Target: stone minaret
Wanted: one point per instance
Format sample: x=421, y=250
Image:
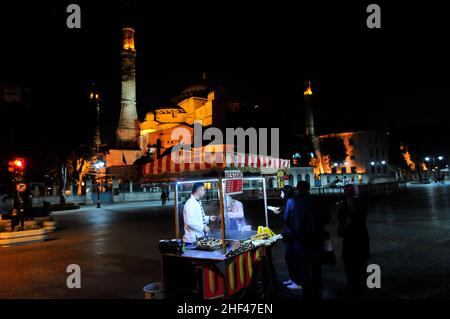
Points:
x=309, y=121
x=309, y=117
x=128, y=128
x=95, y=97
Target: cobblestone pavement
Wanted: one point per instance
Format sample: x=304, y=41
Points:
x=116, y=248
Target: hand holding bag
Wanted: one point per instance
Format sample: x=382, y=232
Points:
x=328, y=258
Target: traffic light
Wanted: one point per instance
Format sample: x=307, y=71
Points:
x=17, y=166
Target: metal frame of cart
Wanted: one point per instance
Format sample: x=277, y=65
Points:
x=210, y=274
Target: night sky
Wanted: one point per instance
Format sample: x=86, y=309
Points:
x=395, y=78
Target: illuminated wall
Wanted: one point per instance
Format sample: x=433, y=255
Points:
x=363, y=148
x=165, y=136
x=161, y=122
x=407, y=158
x=116, y=157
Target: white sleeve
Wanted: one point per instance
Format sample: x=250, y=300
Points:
x=192, y=217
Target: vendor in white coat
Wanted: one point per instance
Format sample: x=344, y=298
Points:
x=195, y=220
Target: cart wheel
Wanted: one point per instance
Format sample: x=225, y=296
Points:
x=264, y=281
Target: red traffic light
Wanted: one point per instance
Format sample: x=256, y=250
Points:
x=17, y=165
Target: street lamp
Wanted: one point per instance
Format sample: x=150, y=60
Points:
x=427, y=159
x=440, y=158
x=98, y=166
x=383, y=162
x=372, y=163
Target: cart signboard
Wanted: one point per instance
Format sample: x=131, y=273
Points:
x=233, y=182
x=280, y=175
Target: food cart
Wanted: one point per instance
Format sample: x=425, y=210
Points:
x=241, y=265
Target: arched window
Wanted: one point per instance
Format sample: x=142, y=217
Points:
x=291, y=180
x=299, y=177
x=308, y=178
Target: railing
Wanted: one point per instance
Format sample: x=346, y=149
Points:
x=327, y=191
x=382, y=188
x=364, y=190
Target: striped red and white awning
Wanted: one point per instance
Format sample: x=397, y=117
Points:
x=193, y=161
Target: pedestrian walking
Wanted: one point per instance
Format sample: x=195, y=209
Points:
x=352, y=229
x=163, y=197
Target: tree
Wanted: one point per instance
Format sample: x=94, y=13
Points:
x=334, y=148
x=81, y=163
x=51, y=167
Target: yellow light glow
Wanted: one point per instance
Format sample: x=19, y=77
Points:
x=308, y=90
x=128, y=39
x=407, y=158
x=18, y=163
x=145, y=132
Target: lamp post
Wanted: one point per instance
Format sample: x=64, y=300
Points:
x=435, y=163
x=98, y=166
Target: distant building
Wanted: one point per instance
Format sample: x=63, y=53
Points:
x=195, y=103
x=297, y=174
x=366, y=162
x=134, y=139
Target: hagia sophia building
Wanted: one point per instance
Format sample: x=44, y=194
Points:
x=200, y=102
x=212, y=105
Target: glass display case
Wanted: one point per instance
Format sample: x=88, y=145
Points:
x=240, y=206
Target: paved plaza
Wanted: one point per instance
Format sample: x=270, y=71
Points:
x=116, y=247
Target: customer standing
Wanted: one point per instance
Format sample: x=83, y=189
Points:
x=287, y=194
x=355, y=246
x=308, y=230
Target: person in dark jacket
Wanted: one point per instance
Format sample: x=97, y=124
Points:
x=308, y=230
x=287, y=194
x=355, y=245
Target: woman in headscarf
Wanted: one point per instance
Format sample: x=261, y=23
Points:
x=355, y=246
x=235, y=213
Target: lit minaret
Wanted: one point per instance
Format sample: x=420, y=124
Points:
x=309, y=117
x=309, y=121
x=128, y=128
x=95, y=97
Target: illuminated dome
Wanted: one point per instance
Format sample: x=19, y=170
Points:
x=197, y=90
